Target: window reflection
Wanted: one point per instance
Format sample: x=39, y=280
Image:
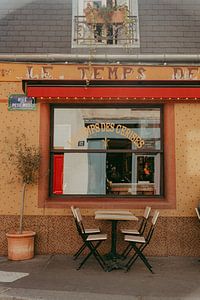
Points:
x=109, y=151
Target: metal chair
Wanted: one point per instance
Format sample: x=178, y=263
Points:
x=87, y=230
x=197, y=212
x=92, y=242
x=139, y=231
x=139, y=243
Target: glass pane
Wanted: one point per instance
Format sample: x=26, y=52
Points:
x=84, y=173
x=106, y=174
x=130, y=174
x=119, y=128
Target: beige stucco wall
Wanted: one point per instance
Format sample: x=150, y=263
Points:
x=187, y=133
x=14, y=123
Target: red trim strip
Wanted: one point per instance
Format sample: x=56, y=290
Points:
x=112, y=92
x=58, y=174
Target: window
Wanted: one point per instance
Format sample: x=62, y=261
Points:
x=107, y=152
x=105, y=22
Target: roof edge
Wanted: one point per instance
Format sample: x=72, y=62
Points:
x=163, y=59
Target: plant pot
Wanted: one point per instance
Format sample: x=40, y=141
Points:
x=20, y=245
x=118, y=16
x=94, y=18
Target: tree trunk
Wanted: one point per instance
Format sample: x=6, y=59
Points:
x=22, y=209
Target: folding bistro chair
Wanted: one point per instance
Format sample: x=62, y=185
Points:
x=92, y=242
x=139, y=231
x=87, y=230
x=139, y=243
x=197, y=212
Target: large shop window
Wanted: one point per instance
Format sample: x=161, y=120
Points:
x=107, y=152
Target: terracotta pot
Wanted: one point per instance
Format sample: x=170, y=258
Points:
x=118, y=16
x=20, y=245
x=94, y=18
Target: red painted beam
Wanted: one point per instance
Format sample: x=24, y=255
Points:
x=112, y=92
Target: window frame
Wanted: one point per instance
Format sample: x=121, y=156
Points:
x=136, y=151
x=134, y=10
x=168, y=201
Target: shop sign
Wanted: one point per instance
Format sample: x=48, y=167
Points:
x=17, y=72
x=21, y=102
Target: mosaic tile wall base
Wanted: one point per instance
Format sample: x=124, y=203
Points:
x=174, y=236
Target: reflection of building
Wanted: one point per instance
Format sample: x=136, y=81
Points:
x=113, y=138
x=95, y=107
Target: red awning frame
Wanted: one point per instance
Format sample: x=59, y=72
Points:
x=131, y=90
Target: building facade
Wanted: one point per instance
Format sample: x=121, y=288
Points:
x=113, y=105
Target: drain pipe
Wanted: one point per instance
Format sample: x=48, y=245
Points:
x=163, y=59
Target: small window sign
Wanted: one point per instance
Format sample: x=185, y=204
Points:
x=21, y=102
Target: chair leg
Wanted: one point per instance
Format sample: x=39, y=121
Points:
x=126, y=252
x=138, y=253
x=76, y=255
x=93, y=250
x=97, y=254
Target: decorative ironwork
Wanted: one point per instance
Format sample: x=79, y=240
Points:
x=97, y=34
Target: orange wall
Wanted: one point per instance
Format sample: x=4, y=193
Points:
x=14, y=123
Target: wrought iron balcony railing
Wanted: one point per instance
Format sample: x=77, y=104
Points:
x=100, y=34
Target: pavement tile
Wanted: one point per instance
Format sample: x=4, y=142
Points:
x=54, y=277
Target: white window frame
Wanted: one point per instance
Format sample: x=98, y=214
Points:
x=77, y=10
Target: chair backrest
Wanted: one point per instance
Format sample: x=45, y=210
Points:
x=198, y=214
x=79, y=214
x=152, y=227
x=73, y=211
x=79, y=222
x=145, y=217
x=77, y=219
x=155, y=217
x=147, y=212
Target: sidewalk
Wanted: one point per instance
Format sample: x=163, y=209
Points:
x=55, y=277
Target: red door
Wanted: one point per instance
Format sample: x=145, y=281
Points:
x=58, y=173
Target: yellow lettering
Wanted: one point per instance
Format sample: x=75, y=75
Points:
x=112, y=127
x=97, y=127
x=128, y=132
x=118, y=128
x=123, y=130
x=89, y=130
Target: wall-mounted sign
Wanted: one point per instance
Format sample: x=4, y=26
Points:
x=16, y=72
x=21, y=102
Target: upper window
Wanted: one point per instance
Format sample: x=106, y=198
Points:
x=107, y=152
x=105, y=22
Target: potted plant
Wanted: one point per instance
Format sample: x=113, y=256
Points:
x=106, y=14
x=26, y=160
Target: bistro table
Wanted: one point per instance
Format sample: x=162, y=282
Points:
x=114, y=216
